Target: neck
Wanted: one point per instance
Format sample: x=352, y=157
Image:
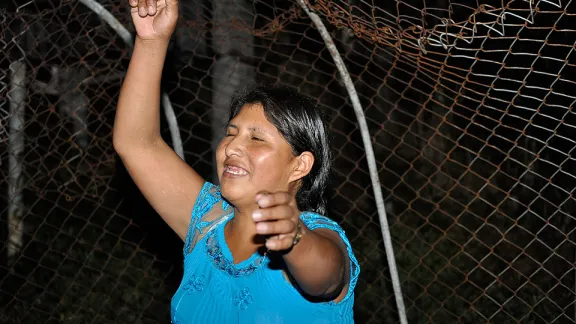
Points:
x=242, y=228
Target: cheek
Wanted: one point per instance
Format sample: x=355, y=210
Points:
x=271, y=166
x=220, y=153
x=221, y=149
x=262, y=159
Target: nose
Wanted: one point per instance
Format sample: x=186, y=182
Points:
x=234, y=147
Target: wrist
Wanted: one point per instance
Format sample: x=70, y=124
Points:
x=298, y=234
x=303, y=243
x=159, y=43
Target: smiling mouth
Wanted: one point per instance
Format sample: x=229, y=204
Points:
x=234, y=171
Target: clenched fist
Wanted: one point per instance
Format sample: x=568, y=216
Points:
x=277, y=218
x=154, y=19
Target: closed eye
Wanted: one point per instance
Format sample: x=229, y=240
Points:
x=257, y=138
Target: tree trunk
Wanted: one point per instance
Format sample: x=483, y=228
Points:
x=191, y=37
x=74, y=103
x=230, y=71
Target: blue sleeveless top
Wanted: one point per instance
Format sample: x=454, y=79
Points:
x=215, y=290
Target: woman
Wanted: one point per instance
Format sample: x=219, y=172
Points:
x=256, y=249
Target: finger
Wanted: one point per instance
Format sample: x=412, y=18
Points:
x=265, y=200
x=151, y=6
x=273, y=213
x=133, y=3
x=142, y=11
x=284, y=226
x=279, y=243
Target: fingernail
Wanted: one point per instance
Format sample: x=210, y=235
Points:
x=270, y=244
x=150, y=9
x=263, y=202
x=261, y=227
x=257, y=215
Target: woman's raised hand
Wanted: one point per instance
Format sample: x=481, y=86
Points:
x=154, y=19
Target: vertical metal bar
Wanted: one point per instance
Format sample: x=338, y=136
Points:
x=17, y=96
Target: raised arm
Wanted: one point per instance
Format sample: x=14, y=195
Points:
x=167, y=182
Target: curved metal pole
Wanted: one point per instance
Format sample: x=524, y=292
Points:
x=127, y=37
x=343, y=71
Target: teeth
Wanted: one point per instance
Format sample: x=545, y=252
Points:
x=236, y=170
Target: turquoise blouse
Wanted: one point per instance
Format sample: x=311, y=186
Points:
x=255, y=291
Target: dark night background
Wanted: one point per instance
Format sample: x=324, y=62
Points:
x=474, y=144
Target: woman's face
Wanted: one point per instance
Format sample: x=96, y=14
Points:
x=253, y=157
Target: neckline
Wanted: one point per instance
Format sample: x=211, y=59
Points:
x=221, y=256
x=226, y=249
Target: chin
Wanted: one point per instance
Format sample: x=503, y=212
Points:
x=233, y=192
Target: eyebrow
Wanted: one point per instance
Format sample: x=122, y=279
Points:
x=254, y=129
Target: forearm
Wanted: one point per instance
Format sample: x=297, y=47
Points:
x=137, y=120
x=317, y=264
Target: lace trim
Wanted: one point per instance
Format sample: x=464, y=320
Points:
x=314, y=221
x=214, y=249
x=209, y=196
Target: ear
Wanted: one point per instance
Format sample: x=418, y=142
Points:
x=303, y=166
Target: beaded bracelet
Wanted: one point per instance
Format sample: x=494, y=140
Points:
x=298, y=235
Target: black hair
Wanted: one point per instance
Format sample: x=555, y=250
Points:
x=301, y=123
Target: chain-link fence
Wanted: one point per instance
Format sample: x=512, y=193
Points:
x=470, y=109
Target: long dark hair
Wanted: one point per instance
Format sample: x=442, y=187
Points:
x=301, y=123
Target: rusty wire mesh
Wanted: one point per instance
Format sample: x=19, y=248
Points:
x=470, y=110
